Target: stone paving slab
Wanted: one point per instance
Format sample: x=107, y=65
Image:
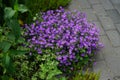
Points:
x=84, y=4
x=98, y=24
x=115, y=1
x=104, y=69
x=117, y=7
x=114, y=37
x=99, y=56
x=114, y=65
x=108, y=50
x=99, y=10
x=116, y=78
x=114, y=15
x=108, y=53
x=94, y=2
x=107, y=23
x=118, y=27
x=113, y=62
x=90, y=14
x=117, y=50
x=74, y=5
x=107, y=4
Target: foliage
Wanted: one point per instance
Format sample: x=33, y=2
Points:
x=10, y=40
x=15, y=5
x=87, y=76
x=68, y=34
x=37, y=67
x=57, y=41
x=34, y=7
x=8, y=50
x=43, y=5
x=1, y=13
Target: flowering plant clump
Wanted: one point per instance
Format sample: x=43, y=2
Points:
x=68, y=34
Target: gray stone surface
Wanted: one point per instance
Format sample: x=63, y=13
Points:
x=116, y=78
x=90, y=14
x=114, y=65
x=108, y=50
x=107, y=23
x=99, y=56
x=98, y=24
x=115, y=1
x=99, y=10
x=84, y=4
x=111, y=58
x=117, y=51
x=114, y=62
x=114, y=15
x=118, y=27
x=114, y=37
x=117, y=7
x=74, y=5
x=94, y=2
x=107, y=4
x=104, y=69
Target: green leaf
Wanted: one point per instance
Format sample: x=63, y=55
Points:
x=5, y=77
x=17, y=52
x=6, y=60
x=44, y=68
x=15, y=28
x=53, y=73
x=42, y=75
x=22, y=8
x=81, y=58
x=1, y=3
x=83, y=50
x=4, y=46
x=86, y=56
x=11, y=78
x=21, y=40
x=9, y=12
x=63, y=78
x=16, y=5
x=11, y=37
x=34, y=78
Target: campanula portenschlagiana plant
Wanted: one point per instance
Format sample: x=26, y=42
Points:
x=68, y=34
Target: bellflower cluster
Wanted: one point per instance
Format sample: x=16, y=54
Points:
x=68, y=34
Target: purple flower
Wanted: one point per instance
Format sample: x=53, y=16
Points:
x=59, y=58
x=39, y=51
x=65, y=57
x=30, y=53
x=82, y=54
x=94, y=63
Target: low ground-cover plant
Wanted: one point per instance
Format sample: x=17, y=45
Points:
x=67, y=34
x=44, y=5
x=37, y=67
x=86, y=76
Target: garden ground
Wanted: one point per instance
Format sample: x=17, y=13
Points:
x=106, y=15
